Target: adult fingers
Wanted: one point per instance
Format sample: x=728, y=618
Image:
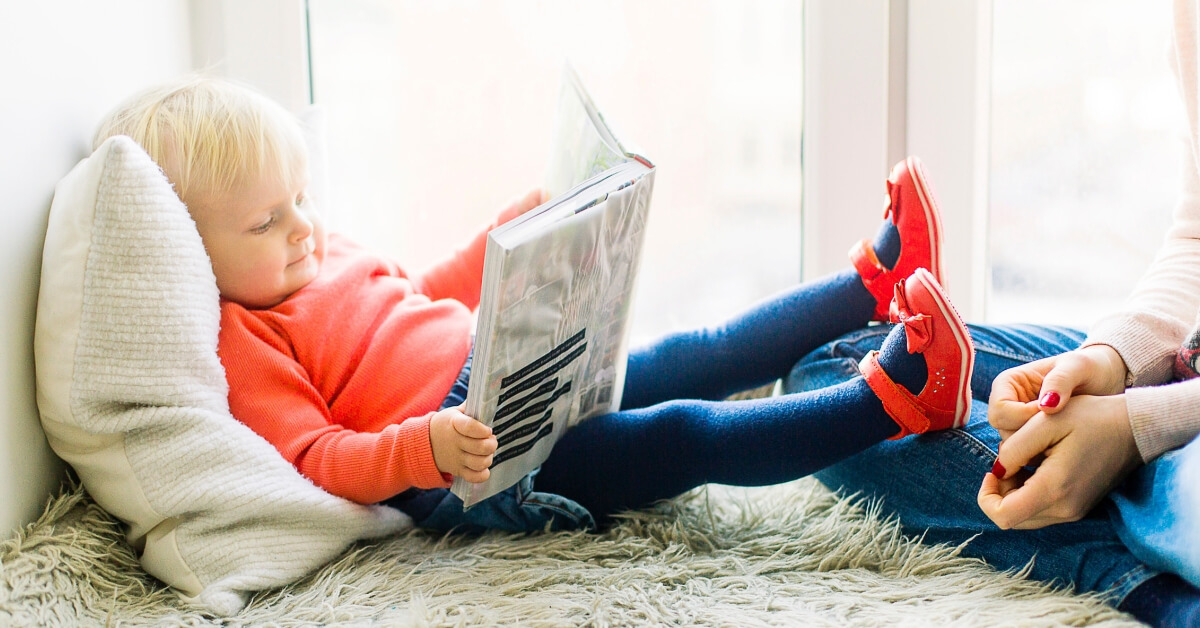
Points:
x=1020, y=507
x=1027, y=444
x=1013, y=399
x=1071, y=371
x=993, y=489
x=1094, y=370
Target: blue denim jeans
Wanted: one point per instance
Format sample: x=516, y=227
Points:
x=930, y=482
x=1157, y=512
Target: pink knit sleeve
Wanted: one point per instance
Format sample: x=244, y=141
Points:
x=1163, y=417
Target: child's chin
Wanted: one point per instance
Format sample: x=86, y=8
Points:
x=305, y=273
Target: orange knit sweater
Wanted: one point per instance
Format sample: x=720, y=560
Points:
x=343, y=376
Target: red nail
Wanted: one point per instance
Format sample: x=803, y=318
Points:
x=1049, y=400
x=998, y=470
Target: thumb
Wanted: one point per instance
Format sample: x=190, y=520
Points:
x=466, y=426
x=1069, y=371
x=1032, y=440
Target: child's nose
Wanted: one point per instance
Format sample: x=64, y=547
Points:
x=302, y=227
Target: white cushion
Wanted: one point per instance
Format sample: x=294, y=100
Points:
x=133, y=396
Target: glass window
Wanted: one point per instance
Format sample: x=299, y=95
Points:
x=440, y=112
x=1083, y=154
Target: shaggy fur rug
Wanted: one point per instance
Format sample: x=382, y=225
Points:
x=790, y=555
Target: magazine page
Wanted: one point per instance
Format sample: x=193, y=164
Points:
x=583, y=146
x=555, y=347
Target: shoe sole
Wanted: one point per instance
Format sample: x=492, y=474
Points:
x=962, y=338
x=933, y=217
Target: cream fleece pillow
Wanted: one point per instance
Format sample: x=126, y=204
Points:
x=132, y=395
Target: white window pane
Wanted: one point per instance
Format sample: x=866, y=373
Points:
x=439, y=112
x=1083, y=154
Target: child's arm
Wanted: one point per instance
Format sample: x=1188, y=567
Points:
x=459, y=277
x=273, y=395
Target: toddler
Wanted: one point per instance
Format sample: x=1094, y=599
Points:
x=355, y=369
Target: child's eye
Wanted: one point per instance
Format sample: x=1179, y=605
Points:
x=301, y=198
x=264, y=227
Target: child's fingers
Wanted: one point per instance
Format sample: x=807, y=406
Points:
x=533, y=198
x=478, y=446
x=475, y=476
x=477, y=463
x=466, y=426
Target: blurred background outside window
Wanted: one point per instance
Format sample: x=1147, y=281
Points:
x=441, y=112
x=1084, y=154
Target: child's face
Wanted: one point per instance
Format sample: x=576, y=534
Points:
x=264, y=240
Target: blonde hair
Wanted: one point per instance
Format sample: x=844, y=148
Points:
x=211, y=135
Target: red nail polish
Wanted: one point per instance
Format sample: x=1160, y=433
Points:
x=998, y=469
x=1049, y=400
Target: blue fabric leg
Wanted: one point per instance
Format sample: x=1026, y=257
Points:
x=672, y=435
x=750, y=350
x=930, y=482
x=1157, y=512
x=632, y=458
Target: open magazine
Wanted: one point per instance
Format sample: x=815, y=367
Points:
x=558, y=281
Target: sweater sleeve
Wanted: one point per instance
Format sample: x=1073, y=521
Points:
x=273, y=395
x=1163, y=417
x=460, y=276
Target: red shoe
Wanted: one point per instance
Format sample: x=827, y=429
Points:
x=914, y=210
x=934, y=328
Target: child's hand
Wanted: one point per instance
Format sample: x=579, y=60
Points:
x=519, y=206
x=461, y=445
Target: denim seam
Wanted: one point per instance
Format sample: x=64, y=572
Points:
x=974, y=445
x=1132, y=579
x=1023, y=357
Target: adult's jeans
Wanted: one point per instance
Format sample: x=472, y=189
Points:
x=1157, y=512
x=930, y=482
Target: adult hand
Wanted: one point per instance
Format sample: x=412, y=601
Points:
x=1046, y=385
x=461, y=445
x=1088, y=448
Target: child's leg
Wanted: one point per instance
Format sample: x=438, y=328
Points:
x=755, y=348
x=762, y=344
x=633, y=458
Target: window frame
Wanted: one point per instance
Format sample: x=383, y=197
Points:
x=884, y=80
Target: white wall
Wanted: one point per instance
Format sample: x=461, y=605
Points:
x=63, y=64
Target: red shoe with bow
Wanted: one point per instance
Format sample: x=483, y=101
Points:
x=914, y=210
x=933, y=328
